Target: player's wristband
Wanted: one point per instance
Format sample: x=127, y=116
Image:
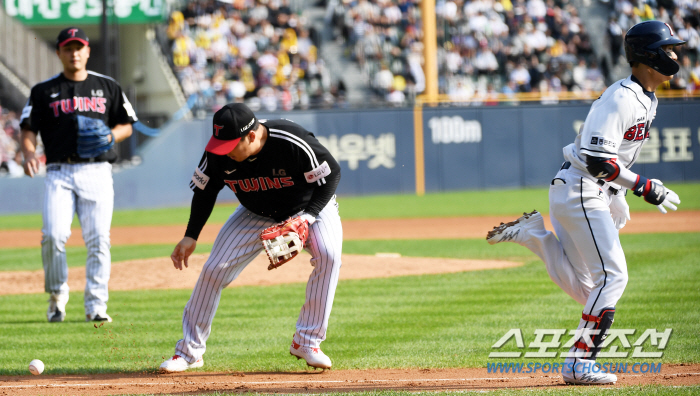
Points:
x=642, y=186
x=653, y=192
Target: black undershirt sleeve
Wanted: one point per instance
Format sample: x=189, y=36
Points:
x=323, y=193
x=202, y=206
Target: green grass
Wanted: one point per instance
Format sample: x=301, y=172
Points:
x=29, y=259
x=448, y=320
x=469, y=203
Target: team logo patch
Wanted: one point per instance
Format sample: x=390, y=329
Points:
x=322, y=171
x=601, y=141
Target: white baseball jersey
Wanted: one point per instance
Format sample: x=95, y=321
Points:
x=616, y=126
x=585, y=258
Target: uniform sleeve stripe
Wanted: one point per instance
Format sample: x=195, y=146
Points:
x=101, y=75
x=26, y=111
x=204, y=164
x=300, y=142
x=603, y=154
x=304, y=146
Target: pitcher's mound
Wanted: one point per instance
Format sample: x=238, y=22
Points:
x=159, y=273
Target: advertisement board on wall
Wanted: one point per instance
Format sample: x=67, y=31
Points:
x=496, y=147
x=62, y=12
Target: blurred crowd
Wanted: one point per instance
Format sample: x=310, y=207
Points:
x=255, y=51
x=682, y=15
x=264, y=53
x=484, y=46
x=10, y=153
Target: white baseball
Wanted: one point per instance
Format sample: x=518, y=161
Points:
x=36, y=367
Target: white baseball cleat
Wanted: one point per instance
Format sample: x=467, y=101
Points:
x=177, y=364
x=592, y=379
x=314, y=356
x=57, y=307
x=98, y=317
x=585, y=374
x=514, y=230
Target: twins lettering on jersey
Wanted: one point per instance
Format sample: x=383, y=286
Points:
x=67, y=106
x=637, y=132
x=259, y=184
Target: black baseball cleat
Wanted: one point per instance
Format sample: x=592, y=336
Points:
x=57, y=316
x=98, y=318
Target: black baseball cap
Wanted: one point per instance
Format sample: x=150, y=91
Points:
x=231, y=123
x=71, y=34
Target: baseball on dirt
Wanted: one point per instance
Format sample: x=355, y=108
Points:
x=36, y=367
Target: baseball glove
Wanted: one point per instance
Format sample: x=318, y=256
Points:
x=93, y=137
x=284, y=241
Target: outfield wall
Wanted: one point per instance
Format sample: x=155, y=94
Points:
x=461, y=149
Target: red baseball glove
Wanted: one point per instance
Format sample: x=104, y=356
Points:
x=283, y=241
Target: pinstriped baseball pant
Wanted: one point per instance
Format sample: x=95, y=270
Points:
x=86, y=189
x=235, y=247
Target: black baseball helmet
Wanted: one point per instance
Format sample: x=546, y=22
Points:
x=643, y=44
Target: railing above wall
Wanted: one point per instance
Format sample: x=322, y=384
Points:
x=27, y=56
x=544, y=98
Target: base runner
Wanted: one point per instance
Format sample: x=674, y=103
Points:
x=587, y=197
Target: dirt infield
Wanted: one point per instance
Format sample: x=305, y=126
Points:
x=431, y=228
x=319, y=381
x=159, y=273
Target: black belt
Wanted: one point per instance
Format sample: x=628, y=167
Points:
x=567, y=165
x=75, y=159
x=614, y=191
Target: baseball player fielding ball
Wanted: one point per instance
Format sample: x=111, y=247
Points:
x=587, y=197
x=36, y=367
x=285, y=181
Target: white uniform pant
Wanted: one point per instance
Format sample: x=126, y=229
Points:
x=86, y=189
x=236, y=246
x=587, y=261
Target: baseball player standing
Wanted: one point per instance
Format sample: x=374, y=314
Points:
x=80, y=115
x=278, y=170
x=587, y=197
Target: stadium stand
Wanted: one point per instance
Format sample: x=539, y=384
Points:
x=505, y=46
x=259, y=52
x=10, y=153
